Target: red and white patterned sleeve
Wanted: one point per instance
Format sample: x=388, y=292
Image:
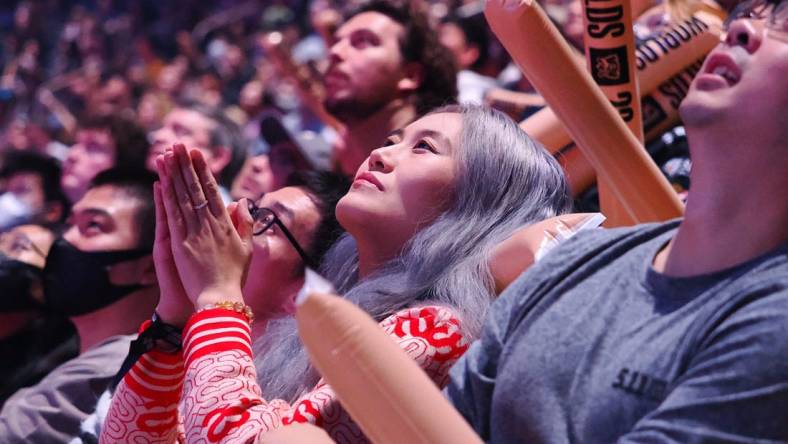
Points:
x=144, y=406
x=222, y=400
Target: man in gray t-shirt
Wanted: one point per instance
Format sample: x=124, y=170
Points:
x=593, y=345
x=673, y=332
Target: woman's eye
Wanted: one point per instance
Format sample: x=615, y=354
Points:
x=424, y=145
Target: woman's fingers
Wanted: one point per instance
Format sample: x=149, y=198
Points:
x=244, y=222
x=175, y=221
x=190, y=178
x=182, y=198
x=162, y=233
x=210, y=188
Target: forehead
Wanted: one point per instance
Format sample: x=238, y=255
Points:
x=107, y=200
x=294, y=199
x=446, y=126
x=25, y=178
x=375, y=22
x=188, y=118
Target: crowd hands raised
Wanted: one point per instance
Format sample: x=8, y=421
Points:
x=198, y=178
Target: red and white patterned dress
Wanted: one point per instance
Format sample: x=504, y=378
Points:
x=208, y=393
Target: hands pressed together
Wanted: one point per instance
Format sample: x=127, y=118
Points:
x=201, y=250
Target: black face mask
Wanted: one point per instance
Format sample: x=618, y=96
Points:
x=16, y=285
x=77, y=282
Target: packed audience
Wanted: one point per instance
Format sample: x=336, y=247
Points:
x=171, y=173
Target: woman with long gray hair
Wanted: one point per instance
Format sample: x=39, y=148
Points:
x=422, y=217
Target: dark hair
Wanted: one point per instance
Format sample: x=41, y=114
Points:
x=131, y=141
x=420, y=44
x=136, y=183
x=44, y=167
x=325, y=189
x=476, y=33
x=225, y=133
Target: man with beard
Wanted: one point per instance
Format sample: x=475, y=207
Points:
x=99, y=274
x=387, y=67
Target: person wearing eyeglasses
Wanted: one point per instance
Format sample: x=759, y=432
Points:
x=100, y=276
x=423, y=214
x=292, y=229
x=32, y=341
x=663, y=333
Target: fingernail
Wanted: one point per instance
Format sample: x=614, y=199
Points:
x=313, y=283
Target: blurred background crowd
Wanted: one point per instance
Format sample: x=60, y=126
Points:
x=93, y=85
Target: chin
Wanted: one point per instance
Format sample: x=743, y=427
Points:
x=354, y=211
x=700, y=108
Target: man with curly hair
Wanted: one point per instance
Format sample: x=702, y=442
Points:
x=386, y=68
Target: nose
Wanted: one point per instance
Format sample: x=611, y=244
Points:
x=336, y=51
x=381, y=159
x=743, y=32
x=73, y=154
x=72, y=235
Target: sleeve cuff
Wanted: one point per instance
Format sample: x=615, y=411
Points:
x=214, y=331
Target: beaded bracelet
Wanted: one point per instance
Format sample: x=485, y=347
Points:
x=238, y=307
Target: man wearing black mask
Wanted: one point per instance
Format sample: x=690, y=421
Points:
x=100, y=274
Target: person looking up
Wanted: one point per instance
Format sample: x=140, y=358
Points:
x=423, y=215
x=386, y=67
x=102, y=143
x=100, y=275
x=667, y=332
x=207, y=129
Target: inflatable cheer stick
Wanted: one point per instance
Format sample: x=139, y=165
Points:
x=528, y=244
x=660, y=113
x=610, y=48
x=546, y=60
x=656, y=59
x=383, y=389
x=579, y=173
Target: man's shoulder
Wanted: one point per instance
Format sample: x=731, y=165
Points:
x=52, y=410
x=111, y=348
x=598, y=247
x=100, y=361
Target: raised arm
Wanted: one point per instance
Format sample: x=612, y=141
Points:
x=222, y=400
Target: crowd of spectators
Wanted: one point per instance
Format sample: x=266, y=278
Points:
x=191, y=161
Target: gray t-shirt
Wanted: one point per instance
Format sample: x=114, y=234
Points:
x=52, y=410
x=591, y=345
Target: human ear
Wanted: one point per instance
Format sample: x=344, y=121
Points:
x=220, y=158
x=470, y=56
x=413, y=75
x=53, y=212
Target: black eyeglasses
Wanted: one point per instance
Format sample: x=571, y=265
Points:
x=15, y=244
x=264, y=218
x=775, y=13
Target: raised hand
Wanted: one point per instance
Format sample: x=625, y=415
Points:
x=174, y=305
x=209, y=252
